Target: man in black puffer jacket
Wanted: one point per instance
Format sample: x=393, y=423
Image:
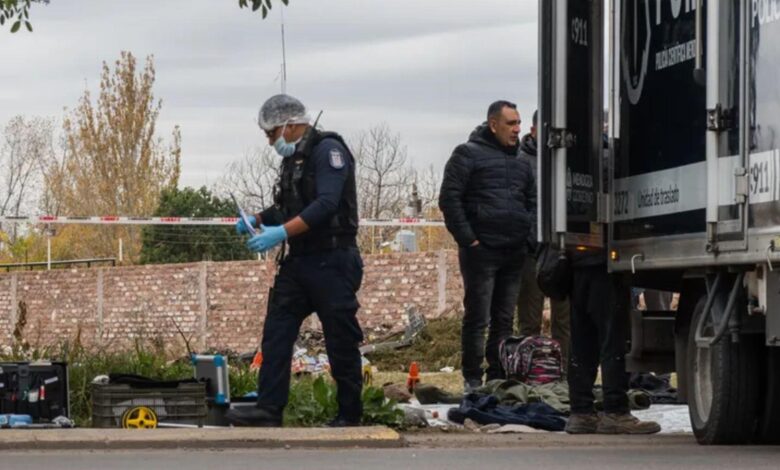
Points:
x=488, y=198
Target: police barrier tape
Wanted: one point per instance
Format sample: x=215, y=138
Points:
x=217, y=221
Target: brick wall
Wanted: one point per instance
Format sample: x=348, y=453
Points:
x=213, y=305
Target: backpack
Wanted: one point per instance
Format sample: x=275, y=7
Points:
x=535, y=360
x=553, y=272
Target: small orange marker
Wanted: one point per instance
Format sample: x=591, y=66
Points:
x=257, y=361
x=414, y=376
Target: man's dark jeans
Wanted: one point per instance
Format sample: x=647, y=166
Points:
x=599, y=318
x=491, y=281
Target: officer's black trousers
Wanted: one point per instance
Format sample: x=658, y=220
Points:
x=325, y=283
x=491, y=281
x=599, y=318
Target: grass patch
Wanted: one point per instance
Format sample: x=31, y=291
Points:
x=437, y=346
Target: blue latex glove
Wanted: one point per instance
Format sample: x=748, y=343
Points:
x=241, y=227
x=267, y=239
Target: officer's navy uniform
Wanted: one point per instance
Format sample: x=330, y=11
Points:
x=321, y=273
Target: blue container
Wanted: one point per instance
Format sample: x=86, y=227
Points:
x=13, y=421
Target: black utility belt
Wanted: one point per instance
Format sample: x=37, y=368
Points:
x=310, y=247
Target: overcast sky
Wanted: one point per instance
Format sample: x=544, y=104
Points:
x=427, y=68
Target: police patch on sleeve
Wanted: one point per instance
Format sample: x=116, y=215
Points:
x=336, y=159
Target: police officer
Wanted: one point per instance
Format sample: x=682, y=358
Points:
x=315, y=211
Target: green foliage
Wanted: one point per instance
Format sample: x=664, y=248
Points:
x=242, y=379
x=182, y=244
x=263, y=5
x=313, y=403
x=312, y=400
x=17, y=13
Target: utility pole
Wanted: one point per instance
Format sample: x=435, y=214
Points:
x=284, y=58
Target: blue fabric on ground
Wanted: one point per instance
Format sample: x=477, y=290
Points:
x=485, y=409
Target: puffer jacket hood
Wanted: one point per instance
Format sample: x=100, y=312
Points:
x=482, y=135
x=527, y=151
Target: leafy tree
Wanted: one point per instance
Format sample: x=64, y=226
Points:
x=114, y=162
x=263, y=5
x=181, y=244
x=17, y=13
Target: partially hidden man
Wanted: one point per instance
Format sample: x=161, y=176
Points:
x=315, y=212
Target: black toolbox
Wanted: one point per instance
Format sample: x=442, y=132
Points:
x=38, y=389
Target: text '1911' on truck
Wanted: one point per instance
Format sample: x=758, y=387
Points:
x=683, y=190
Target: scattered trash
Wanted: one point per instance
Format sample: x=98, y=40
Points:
x=415, y=325
x=672, y=418
x=447, y=370
x=514, y=428
x=303, y=363
x=63, y=422
x=101, y=380
x=14, y=421
x=471, y=425
x=489, y=427
x=397, y=392
x=430, y=394
x=414, y=417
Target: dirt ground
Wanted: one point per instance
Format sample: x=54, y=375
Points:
x=449, y=382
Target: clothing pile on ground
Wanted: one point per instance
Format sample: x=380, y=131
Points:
x=658, y=387
x=538, y=406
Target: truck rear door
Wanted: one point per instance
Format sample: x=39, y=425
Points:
x=571, y=122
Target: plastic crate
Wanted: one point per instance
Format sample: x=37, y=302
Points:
x=183, y=404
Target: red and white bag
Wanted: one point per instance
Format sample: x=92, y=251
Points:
x=534, y=360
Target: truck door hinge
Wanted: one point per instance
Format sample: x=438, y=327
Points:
x=603, y=207
x=720, y=119
x=560, y=138
x=740, y=185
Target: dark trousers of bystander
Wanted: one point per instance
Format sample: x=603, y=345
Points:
x=530, y=306
x=599, y=321
x=491, y=281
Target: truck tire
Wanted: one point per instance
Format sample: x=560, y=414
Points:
x=769, y=421
x=723, y=386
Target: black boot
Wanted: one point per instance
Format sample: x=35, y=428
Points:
x=255, y=417
x=341, y=422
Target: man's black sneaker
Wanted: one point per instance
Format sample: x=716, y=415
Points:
x=254, y=417
x=339, y=422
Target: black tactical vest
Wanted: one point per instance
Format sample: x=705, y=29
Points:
x=298, y=188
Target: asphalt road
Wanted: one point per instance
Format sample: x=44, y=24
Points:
x=577, y=457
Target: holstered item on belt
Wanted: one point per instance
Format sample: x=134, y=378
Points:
x=322, y=244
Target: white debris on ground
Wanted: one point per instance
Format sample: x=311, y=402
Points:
x=672, y=418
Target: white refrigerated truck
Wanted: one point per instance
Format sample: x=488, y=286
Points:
x=685, y=196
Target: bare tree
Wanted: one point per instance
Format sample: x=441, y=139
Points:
x=383, y=177
x=252, y=178
x=25, y=152
x=428, y=182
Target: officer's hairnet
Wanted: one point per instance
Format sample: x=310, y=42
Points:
x=279, y=110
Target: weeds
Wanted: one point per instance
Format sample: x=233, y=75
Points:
x=312, y=400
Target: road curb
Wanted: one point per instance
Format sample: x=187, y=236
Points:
x=265, y=438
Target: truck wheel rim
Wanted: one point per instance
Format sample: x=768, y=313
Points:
x=703, y=382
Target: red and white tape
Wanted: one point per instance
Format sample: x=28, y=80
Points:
x=122, y=220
